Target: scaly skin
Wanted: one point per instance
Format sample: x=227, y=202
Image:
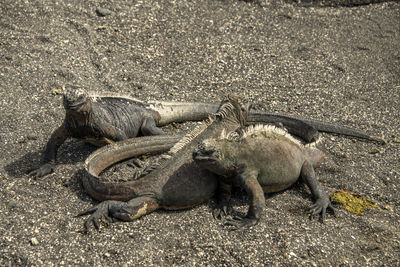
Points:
x=177, y=184
x=289, y=121
x=264, y=159
x=106, y=118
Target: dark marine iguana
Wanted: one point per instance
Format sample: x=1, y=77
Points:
x=263, y=159
x=106, y=118
x=177, y=184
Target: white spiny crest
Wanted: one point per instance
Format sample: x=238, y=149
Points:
x=264, y=130
x=226, y=108
x=231, y=136
x=97, y=95
x=228, y=105
x=191, y=135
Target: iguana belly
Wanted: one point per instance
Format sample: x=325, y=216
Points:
x=277, y=177
x=187, y=187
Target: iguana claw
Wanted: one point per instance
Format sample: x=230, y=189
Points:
x=319, y=207
x=42, y=170
x=240, y=222
x=134, y=162
x=99, y=212
x=221, y=211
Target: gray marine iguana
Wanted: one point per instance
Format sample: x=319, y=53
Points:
x=109, y=118
x=177, y=184
x=262, y=159
x=106, y=118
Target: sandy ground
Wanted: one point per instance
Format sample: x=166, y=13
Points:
x=339, y=64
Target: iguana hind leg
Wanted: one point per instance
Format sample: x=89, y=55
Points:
x=322, y=202
x=149, y=127
x=112, y=210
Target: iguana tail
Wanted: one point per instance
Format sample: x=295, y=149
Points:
x=294, y=126
x=187, y=111
x=322, y=126
x=182, y=111
x=111, y=154
x=303, y=127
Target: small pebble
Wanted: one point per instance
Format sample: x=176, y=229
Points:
x=102, y=12
x=34, y=241
x=373, y=151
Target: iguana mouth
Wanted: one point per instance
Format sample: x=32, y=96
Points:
x=76, y=105
x=197, y=156
x=202, y=158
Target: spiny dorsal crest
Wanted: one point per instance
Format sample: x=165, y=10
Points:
x=231, y=106
x=264, y=130
x=191, y=135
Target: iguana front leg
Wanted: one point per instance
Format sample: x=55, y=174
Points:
x=56, y=140
x=322, y=202
x=248, y=181
x=112, y=210
x=223, y=196
x=149, y=127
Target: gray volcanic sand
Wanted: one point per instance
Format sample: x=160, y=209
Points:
x=335, y=63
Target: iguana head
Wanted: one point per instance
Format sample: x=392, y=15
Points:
x=75, y=98
x=213, y=155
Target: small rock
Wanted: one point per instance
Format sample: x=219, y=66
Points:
x=22, y=140
x=57, y=91
x=26, y=139
x=374, y=151
x=102, y=12
x=34, y=241
x=387, y=207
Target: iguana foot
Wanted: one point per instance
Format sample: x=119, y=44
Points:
x=134, y=162
x=221, y=211
x=151, y=167
x=99, y=212
x=240, y=222
x=42, y=170
x=148, y=169
x=319, y=207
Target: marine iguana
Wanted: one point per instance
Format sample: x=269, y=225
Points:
x=109, y=118
x=177, y=184
x=106, y=118
x=262, y=159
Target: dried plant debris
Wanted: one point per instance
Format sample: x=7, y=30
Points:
x=354, y=203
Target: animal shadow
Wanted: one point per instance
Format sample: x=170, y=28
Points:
x=69, y=153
